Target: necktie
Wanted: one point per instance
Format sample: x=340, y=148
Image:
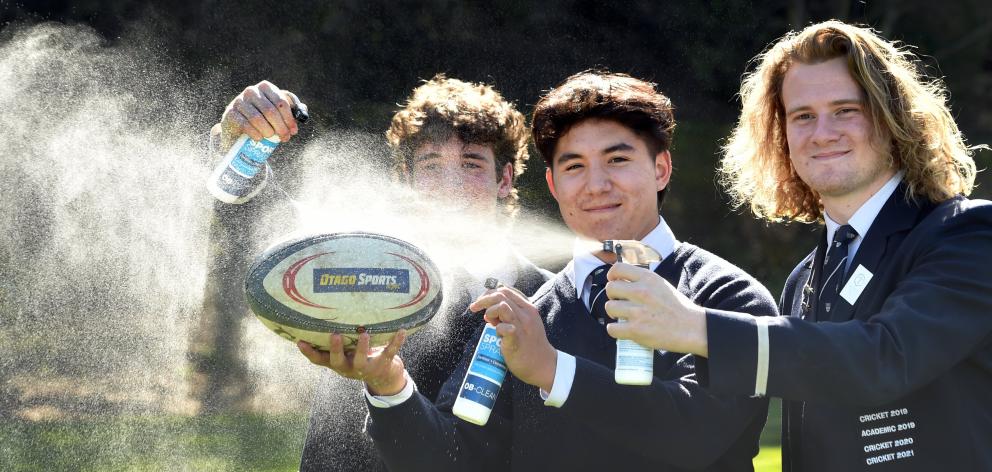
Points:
x=834, y=267
x=597, y=294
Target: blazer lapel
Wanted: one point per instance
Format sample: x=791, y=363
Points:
x=896, y=216
x=800, y=290
x=816, y=278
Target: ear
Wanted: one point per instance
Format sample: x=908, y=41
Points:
x=505, y=183
x=662, y=169
x=551, y=183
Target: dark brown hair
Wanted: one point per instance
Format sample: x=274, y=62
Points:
x=634, y=103
x=474, y=113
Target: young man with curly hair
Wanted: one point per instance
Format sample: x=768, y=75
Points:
x=605, y=138
x=884, y=361
x=460, y=145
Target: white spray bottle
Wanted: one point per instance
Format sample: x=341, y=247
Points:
x=237, y=179
x=635, y=363
x=484, y=378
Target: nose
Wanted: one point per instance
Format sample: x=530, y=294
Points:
x=825, y=131
x=599, y=180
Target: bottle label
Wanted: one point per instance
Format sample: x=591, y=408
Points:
x=488, y=360
x=479, y=390
x=251, y=157
x=486, y=372
x=634, y=357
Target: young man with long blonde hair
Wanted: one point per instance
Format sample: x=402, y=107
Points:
x=884, y=361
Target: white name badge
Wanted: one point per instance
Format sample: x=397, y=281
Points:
x=856, y=284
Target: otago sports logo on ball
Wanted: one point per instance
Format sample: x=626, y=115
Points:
x=361, y=280
x=343, y=280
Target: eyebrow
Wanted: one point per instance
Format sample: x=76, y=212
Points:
x=621, y=146
x=843, y=101
x=433, y=155
x=426, y=157
x=618, y=147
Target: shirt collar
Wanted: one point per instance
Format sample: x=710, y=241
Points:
x=862, y=219
x=583, y=262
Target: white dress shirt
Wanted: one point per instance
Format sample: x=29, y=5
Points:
x=862, y=219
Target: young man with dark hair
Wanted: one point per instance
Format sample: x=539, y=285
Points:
x=605, y=138
x=462, y=145
x=885, y=359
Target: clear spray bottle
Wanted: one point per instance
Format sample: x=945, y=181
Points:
x=237, y=178
x=635, y=363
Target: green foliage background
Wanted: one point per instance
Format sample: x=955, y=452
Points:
x=352, y=61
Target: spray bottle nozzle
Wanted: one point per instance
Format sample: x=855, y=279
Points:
x=300, y=112
x=632, y=252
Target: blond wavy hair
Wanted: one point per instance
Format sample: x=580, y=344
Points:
x=906, y=109
x=442, y=108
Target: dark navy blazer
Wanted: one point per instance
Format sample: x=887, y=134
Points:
x=671, y=425
x=901, y=379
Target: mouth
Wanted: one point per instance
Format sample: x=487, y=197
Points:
x=823, y=156
x=601, y=208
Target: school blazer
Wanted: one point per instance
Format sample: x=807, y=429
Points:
x=901, y=379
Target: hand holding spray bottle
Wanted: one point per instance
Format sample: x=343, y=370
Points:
x=236, y=178
x=635, y=363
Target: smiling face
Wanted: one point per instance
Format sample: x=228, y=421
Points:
x=463, y=175
x=830, y=136
x=606, y=181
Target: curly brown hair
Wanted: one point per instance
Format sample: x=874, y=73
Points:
x=906, y=109
x=634, y=103
x=441, y=108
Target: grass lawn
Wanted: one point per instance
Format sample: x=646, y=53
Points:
x=770, y=456
x=140, y=443
x=219, y=443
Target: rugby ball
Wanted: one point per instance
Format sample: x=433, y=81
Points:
x=346, y=283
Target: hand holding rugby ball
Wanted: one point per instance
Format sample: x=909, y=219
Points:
x=346, y=283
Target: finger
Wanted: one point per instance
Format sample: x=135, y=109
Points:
x=623, y=271
x=620, y=330
x=336, y=357
x=501, y=313
x=624, y=290
x=394, y=345
x=298, y=107
x=294, y=99
x=361, y=353
x=514, y=296
x=291, y=102
x=234, y=123
x=486, y=300
x=623, y=309
x=255, y=117
x=270, y=111
x=508, y=333
x=312, y=354
x=283, y=105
